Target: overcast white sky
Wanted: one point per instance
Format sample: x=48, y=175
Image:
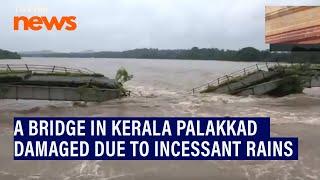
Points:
x=128, y=24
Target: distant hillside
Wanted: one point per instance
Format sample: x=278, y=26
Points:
x=9, y=55
x=244, y=54
x=37, y=52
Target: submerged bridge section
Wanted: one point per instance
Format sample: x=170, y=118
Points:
x=38, y=82
x=260, y=79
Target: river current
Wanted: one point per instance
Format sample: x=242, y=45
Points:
x=163, y=88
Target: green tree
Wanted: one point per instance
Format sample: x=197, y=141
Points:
x=248, y=54
x=9, y=55
x=123, y=76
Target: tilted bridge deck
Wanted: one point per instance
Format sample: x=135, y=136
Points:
x=226, y=79
x=253, y=80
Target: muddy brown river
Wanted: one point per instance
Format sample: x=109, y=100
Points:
x=162, y=88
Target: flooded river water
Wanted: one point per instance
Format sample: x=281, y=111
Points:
x=162, y=88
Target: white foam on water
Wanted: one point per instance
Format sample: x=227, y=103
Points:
x=149, y=91
x=280, y=170
x=84, y=169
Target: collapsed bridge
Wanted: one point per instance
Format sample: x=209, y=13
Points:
x=42, y=82
x=260, y=79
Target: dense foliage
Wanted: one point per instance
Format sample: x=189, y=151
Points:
x=9, y=55
x=123, y=76
x=245, y=54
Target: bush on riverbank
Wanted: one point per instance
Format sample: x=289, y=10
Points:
x=9, y=55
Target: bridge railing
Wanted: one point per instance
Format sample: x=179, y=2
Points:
x=227, y=78
x=42, y=69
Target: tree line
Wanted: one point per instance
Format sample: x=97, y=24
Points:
x=9, y=55
x=195, y=53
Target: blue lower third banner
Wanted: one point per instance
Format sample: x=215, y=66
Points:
x=149, y=138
